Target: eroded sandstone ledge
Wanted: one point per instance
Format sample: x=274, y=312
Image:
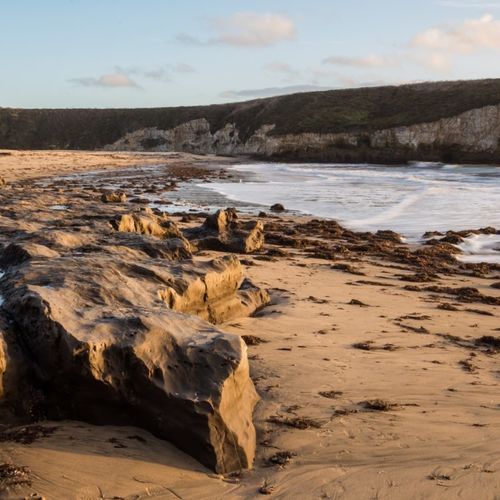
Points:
x=114, y=324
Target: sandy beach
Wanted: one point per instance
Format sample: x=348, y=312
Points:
x=375, y=362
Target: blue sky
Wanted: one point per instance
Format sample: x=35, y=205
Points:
x=131, y=53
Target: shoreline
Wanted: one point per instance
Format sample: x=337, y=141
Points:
x=374, y=375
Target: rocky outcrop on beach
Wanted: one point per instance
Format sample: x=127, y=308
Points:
x=224, y=231
x=107, y=315
x=96, y=324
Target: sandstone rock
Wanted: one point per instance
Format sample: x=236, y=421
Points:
x=114, y=197
x=147, y=223
x=17, y=253
x=172, y=249
x=223, y=231
x=107, y=351
x=215, y=291
x=221, y=221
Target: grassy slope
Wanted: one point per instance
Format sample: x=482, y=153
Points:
x=331, y=111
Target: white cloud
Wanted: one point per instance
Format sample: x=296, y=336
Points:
x=370, y=61
x=246, y=29
x=110, y=80
x=250, y=29
x=470, y=36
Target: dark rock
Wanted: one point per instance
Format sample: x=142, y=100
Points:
x=277, y=207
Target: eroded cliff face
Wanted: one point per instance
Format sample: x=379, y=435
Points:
x=470, y=136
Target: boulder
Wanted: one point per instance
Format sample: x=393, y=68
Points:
x=277, y=207
x=2, y=181
x=224, y=232
x=109, y=345
x=114, y=197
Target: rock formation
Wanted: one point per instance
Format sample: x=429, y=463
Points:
x=108, y=315
x=471, y=133
x=223, y=231
x=107, y=346
x=114, y=197
x=216, y=291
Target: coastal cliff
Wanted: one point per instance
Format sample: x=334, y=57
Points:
x=473, y=134
x=443, y=121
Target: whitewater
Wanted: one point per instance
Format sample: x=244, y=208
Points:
x=409, y=199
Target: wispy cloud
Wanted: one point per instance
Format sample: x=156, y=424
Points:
x=343, y=82
x=246, y=29
x=467, y=37
x=370, y=61
x=271, y=91
x=110, y=80
x=123, y=77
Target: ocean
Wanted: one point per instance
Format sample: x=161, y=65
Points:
x=409, y=199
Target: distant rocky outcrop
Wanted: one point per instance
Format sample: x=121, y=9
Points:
x=441, y=121
x=475, y=133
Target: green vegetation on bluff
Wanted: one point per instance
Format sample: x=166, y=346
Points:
x=351, y=110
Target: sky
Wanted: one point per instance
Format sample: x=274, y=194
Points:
x=150, y=53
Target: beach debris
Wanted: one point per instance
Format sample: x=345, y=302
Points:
x=301, y=423
x=26, y=434
x=330, y=394
x=14, y=475
x=356, y=302
x=379, y=405
x=266, y=488
x=252, y=340
x=281, y=458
